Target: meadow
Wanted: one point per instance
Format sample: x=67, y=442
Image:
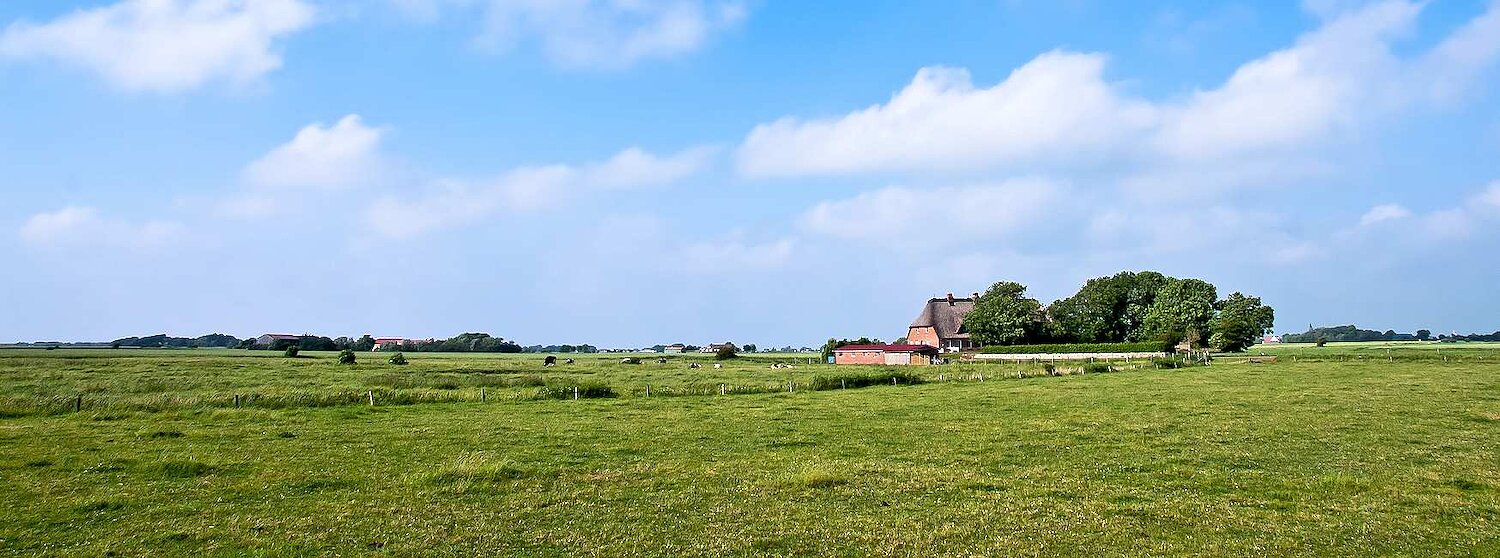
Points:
x=1359, y=449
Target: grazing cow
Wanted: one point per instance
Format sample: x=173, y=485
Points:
x=718, y=366
x=549, y=361
x=693, y=365
x=661, y=360
x=569, y=361
x=630, y=361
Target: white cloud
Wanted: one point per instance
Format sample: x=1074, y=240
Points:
x=1058, y=109
x=907, y=217
x=84, y=227
x=737, y=255
x=525, y=189
x=320, y=157
x=1383, y=213
x=164, y=45
x=594, y=33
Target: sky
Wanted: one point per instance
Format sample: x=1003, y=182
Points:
x=633, y=172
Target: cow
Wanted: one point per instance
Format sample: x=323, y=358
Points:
x=549, y=361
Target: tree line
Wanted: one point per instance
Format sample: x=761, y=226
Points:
x=1124, y=307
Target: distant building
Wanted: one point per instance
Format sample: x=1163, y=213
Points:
x=674, y=348
x=271, y=339
x=1270, y=339
x=898, y=355
x=941, y=324
x=383, y=343
x=716, y=347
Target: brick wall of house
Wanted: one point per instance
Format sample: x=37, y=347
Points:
x=859, y=357
x=922, y=336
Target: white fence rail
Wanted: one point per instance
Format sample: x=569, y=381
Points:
x=1065, y=356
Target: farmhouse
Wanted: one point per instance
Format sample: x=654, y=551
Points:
x=915, y=355
x=941, y=324
x=384, y=343
x=716, y=347
x=674, y=348
x=1270, y=339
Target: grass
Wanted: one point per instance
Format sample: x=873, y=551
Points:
x=1314, y=457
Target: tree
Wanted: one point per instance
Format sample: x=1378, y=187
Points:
x=1107, y=309
x=365, y=343
x=398, y=359
x=346, y=356
x=1423, y=335
x=1183, y=309
x=291, y=351
x=725, y=352
x=1005, y=316
x=1241, y=320
x=750, y=347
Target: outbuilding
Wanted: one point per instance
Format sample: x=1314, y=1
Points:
x=896, y=355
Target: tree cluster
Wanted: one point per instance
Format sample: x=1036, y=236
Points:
x=218, y=340
x=1125, y=307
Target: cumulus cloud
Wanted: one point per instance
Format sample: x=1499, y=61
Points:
x=452, y=202
x=912, y=217
x=1059, y=108
x=84, y=227
x=1383, y=213
x=1056, y=107
x=594, y=33
x=164, y=45
x=319, y=158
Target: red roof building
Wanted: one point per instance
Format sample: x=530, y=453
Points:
x=894, y=355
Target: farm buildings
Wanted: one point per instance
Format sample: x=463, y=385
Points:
x=916, y=355
x=941, y=324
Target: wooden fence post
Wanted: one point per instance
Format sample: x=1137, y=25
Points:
x=843, y=384
x=483, y=397
x=721, y=389
x=648, y=390
x=371, y=393
x=78, y=403
x=575, y=393
x=893, y=380
x=236, y=400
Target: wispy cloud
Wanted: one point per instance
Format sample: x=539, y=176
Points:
x=164, y=45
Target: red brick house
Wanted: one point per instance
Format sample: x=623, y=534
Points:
x=901, y=355
x=941, y=324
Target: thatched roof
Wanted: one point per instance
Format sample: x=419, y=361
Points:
x=946, y=315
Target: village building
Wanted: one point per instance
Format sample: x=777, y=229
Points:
x=716, y=347
x=386, y=343
x=1270, y=339
x=674, y=348
x=941, y=324
x=271, y=339
x=895, y=355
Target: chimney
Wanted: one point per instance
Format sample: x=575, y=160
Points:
x=976, y=297
x=950, y=299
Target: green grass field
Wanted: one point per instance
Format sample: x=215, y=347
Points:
x=1337, y=451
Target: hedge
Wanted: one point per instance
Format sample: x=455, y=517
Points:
x=1141, y=347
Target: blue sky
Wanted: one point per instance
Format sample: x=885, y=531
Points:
x=633, y=172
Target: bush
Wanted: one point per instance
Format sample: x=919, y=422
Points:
x=725, y=353
x=1141, y=347
x=1051, y=370
x=398, y=359
x=859, y=380
x=1166, y=363
x=291, y=352
x=1096, y=368
x=346, y=356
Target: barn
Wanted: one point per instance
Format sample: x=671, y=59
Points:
x=899, y=355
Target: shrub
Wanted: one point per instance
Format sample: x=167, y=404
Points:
x=1165, y=363
x=291, y=351
x=1051, y=370
x=725, y=353
x=1096, y=368
x=347, y=356
x=398, y=359
x=859, y=380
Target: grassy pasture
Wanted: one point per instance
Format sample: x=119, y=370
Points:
x=1325, y=455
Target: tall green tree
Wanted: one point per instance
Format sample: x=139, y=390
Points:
x=1241, y=320
x=1004, y=315
x=1183, y=309
x=1108, y=309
